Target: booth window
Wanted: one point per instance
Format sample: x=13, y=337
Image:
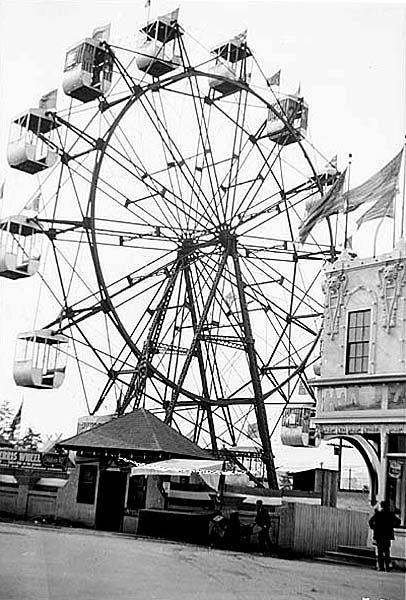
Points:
x=87, y=484
x=359, y=323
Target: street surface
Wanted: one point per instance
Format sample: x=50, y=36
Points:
x=38, y=563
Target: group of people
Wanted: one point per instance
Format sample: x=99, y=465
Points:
x=231, y=533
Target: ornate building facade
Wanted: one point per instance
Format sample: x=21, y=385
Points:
x=361, y=383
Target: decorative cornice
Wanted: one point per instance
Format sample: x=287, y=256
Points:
x=366, y=379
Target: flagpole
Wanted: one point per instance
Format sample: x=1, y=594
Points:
x=346, y=200
x=402, y=222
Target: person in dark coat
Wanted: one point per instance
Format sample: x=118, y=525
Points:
x=234, y=531
x=263, y=520
x=383, y=523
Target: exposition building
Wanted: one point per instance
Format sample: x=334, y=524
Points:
x=361, y=382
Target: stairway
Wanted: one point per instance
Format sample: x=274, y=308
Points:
x=361, y=556
x=358, y=556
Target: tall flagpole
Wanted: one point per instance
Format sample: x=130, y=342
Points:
x=346, y=201
x=402, y=222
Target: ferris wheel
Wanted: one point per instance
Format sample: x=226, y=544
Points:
x=163, y=225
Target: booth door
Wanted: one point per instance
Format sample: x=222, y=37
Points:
x=110, y=500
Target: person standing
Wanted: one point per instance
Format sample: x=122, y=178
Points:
x=263, y=520
x=382, y=524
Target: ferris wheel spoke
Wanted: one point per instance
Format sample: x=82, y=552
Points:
x=285, y=333
x=79, y=312
x=199, y=105
x=262, y=363
x=164, y=192
x=267, y=168
x=249, y=382
x=237, y=148
x=126, y=144
x=282, y=279
x=80, y=134
x=179, y=161
x=248, y=149
x=126, y=76
x=204, y=143
x=272, y=210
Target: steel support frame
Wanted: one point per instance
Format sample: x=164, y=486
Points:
x=259, y=405
x=205, y=388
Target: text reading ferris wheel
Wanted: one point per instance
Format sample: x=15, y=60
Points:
x=171, y=188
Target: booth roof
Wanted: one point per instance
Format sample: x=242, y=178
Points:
x=137, y=431
x=4, y=443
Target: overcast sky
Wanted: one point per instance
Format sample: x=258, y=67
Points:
x=349, y=58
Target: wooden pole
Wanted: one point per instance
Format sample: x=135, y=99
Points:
x=402, y=221
x=346, y=202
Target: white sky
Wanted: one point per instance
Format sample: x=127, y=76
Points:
x=349, y=58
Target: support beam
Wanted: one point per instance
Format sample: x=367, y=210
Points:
x=196, y=338
x=260, y=411
x=206, y=394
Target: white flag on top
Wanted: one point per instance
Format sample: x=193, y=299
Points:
x=33, y=204
x=275, y=79
x=171, y=17
x=102, y=34
x=240, y=39
x=48, y=101
x=331, y=166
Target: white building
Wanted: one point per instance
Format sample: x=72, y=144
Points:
x=361, y=383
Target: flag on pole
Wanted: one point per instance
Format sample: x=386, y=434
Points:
x=382, y=208
x=171, y=17
x=240, y=39
x=102, y=34
x=329, y=204
x=147, y=4
x=331, y=164
x=33, y=204
x=380, y=188
x=275, y=79
x=48, y=101
x=16, y=422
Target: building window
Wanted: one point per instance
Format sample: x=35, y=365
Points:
x=87, y=484
x=359, y=323
x=136, y=492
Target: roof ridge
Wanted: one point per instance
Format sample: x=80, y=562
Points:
x=146, y=415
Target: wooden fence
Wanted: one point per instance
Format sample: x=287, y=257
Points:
x=311, y=530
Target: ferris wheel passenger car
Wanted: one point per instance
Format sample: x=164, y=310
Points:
x=40, y=360
x=19, y=256
x=297, y=428
x=29, y=147
x=157, y=53
x=295, y=111
x=229, y=66
x=88, y=70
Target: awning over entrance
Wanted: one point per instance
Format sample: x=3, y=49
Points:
x=208, y=471
x=179, y=467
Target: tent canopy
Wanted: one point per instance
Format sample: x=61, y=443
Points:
x=179, y=467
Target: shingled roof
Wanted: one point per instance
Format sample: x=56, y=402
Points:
x=138, y=431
